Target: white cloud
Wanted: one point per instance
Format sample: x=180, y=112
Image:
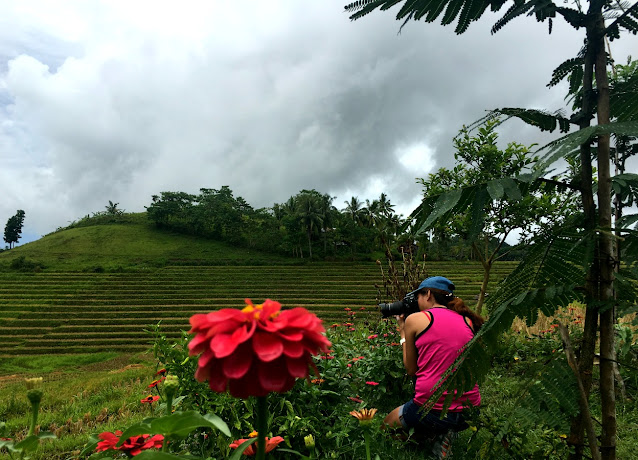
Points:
x=120, y=100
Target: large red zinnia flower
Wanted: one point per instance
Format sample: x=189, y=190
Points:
x=251, y=450
x=132, y=446
x=254, y=351
x=136, y=444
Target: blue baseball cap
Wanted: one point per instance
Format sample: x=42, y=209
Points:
x=436, y=282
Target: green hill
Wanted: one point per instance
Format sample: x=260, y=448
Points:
x=133, y=244
x=96, y=289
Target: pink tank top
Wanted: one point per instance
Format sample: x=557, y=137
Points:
x=438, y=346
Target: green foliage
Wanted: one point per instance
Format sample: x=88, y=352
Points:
x=25, y=265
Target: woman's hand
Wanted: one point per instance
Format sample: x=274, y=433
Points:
x=401, y=323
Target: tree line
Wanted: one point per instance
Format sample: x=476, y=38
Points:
x=308, y=224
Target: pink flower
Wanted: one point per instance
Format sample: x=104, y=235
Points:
x=256, y=350
x=357, y=400
x=374, y=384
x=373, y=336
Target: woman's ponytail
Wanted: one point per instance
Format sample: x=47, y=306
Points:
x=456, y=304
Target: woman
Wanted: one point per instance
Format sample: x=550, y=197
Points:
x=431, y=341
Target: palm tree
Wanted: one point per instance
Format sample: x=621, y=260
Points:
x=309, y=210
x=353, y=209
x=385, y=207
x=328, y=214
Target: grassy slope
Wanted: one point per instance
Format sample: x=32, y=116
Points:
x=134, y=245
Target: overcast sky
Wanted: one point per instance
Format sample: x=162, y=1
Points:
x=121, y=100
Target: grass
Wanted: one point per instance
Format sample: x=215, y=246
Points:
x=82, y=394
x=25, y=365
x=134, y=245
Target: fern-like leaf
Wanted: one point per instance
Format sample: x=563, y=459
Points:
x=569, y=143
x=626, y=20
x=541, y=119
x=565, y=69
x=516, y=10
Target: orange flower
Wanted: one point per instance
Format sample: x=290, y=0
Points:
x=150, y=399
x=154, y=383
x=364, y=415
x=251, y=450
x=254, y=351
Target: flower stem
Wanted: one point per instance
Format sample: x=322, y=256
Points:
x=35, y=407
x=169, y=411
x=366, y=437
x=262, y=426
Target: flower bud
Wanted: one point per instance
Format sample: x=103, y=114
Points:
x=34, y=382
x=309, y=441
x=171, y=384
x=34, y=393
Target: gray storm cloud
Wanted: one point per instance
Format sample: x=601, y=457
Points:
x=270, y=101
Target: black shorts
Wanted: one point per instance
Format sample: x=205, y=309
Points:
x=411, y=416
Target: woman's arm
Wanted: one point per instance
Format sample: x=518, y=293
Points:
x=409, y=328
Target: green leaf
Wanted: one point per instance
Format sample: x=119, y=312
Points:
x=445, y=202
x=478, y=213
x=240, y=450
x=179, y=424
x=511, y=188
x=158, y=455
x=495, y=188
x=290, y=451
x=31, y=442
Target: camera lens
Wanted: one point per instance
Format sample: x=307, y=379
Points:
x=391, y=309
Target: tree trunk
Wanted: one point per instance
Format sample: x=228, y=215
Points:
x=607, y=260
x=309, y=242
x=587, y=348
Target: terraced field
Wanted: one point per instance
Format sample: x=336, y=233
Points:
x=76, y=312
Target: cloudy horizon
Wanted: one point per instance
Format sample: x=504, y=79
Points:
x=120, y=101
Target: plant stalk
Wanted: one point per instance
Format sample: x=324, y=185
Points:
x=262, y=426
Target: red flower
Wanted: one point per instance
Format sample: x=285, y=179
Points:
x=251, y=450
x=348, y=309
x=374, y=384
x=136, y=444
x=132, y=446
x=254, y=351
x=373, y=336
x=357, y=400
x=108, y=440
x=150, y=399
x=161, y=372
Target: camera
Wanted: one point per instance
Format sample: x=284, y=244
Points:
x=407, y=306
